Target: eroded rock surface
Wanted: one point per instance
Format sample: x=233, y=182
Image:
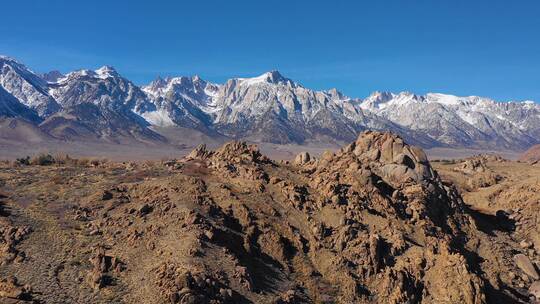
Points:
x=370, y=223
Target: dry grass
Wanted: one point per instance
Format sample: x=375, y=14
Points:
x=47, y=159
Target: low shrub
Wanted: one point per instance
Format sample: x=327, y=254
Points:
x=23, y=161
x=64, y=159
x=43, y=160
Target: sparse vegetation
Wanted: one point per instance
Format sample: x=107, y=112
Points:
x=444, y=161
x=24, y=161
x=64, y=159
x=46, y=159
x=43, y=160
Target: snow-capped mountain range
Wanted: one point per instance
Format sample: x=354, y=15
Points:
x=103, y=105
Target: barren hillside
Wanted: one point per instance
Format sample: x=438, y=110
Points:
x=371, y=223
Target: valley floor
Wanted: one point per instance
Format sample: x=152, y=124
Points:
x=10, y=150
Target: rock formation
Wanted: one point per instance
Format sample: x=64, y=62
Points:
x=370, y=223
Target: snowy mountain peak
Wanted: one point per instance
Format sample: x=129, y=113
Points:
x=77, y=74
x=52, y=76
x=193, y=84
x=18, y=67
x=268, y=107
x=408, y=94
x=25, y=85
x=381, y=100
x=7, y=58
x=382, y=96
x=107, y=71
x=156, y=84
x=450, y=100
x=12, y=61
x=376, y=100
x=102, y=73
x=272, y=77
x=334, y=93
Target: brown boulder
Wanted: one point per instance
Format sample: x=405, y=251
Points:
x=200, y=152
x=534, y=290
x=523, y=262
x=10, y=288
x=398, y=160
x=302, y=158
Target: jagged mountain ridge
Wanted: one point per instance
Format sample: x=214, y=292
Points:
x=30, y=89
x=82, y=105
x=469, y=119
x=268, y=108
x=11, y=107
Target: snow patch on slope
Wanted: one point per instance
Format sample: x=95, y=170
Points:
x=158, y=118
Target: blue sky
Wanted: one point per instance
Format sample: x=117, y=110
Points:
x=488, y=48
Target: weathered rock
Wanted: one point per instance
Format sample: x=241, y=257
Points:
x=525, y=245
x=10, y=288
x=523, y=262
x=102, y=264
x=398, y=160
x=371, y=223
x=302, y=158
x=534, y=290
x=473, y=165
x=200, y=152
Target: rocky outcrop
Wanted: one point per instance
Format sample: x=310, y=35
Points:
x=379, y=174
x=234, y=159
x=478, y=172
x=302, y=158
x=10, y=236
x=370, y=223
x=11, y=289
x=473, y=165
x=201, y=152
x=523, y=262
x=102, y=267
x=190, y=286
x=534, y=290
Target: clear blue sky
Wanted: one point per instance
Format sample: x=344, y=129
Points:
x=488, y=48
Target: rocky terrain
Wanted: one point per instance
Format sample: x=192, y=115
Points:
x=103, y=106
x=374, y=222
x=504, y=199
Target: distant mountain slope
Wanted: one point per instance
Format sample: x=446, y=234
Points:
x=82, y=105
x=181, y=101
x=90, y=122
x=21, y=131
x=532, y=154
x=99, y=104
x=102, y=105
x=283, y=110
x=268, y=108
x=461, y=121
x=11, y=107
x=30, y=89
